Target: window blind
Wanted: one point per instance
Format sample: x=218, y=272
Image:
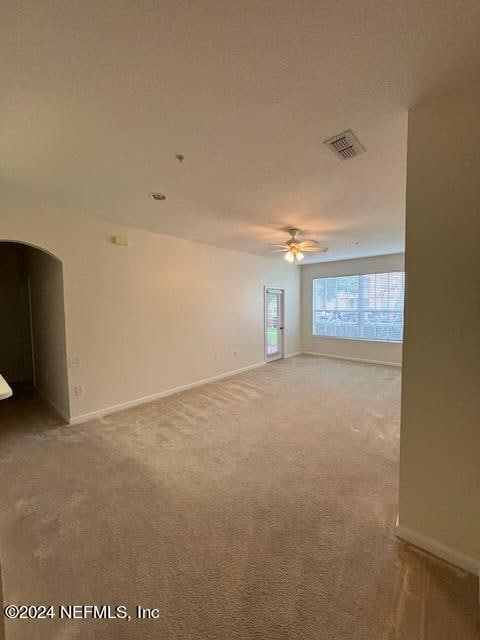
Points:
x=360, y=307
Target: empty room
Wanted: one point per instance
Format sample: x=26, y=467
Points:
x=239, y=320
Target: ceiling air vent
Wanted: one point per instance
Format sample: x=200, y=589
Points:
x=345, y=145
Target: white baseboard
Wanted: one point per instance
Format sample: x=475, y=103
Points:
x=156, y=396
x=292, y=355
x=352, y=359
x=54, y=406
x=438, y=549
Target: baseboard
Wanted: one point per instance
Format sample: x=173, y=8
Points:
x=156, y=396
x=54, y=406
x=292, y=355
x=438, y=549
x=352, y=359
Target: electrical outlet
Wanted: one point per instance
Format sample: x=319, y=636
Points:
x=74, y=362
x=235, y=354
x=79, y=390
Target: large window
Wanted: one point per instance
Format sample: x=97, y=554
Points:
x=363, y=307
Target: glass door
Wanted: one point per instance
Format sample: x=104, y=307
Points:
x=274, y=328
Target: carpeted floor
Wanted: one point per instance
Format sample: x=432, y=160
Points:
x=258, y=507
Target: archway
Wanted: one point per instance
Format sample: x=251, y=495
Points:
x=32, y=323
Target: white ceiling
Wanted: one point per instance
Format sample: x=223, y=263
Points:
x=98, y=97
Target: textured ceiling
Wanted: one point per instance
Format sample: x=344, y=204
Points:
x=98, y=97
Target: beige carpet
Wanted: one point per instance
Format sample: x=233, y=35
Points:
x=258, y=507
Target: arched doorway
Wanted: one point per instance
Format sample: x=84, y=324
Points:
x=32, y=324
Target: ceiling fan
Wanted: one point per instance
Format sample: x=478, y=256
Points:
x=295, y=248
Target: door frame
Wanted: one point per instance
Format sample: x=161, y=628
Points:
x=281, y=354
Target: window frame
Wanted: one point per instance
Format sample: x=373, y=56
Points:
x=357, y=339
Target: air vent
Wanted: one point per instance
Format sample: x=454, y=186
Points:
x=345, y=145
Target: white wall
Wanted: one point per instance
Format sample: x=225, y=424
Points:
x=361, y=349
x=158, y=314
x=15, y=353
x=48, y=327
x=440, y=436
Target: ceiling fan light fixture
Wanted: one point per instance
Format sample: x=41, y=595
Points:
x=294, y=248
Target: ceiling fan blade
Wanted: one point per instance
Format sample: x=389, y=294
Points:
x=279, y=251
x=308, y=243
x=314, y=249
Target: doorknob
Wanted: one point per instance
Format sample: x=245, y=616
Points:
x=281, y=328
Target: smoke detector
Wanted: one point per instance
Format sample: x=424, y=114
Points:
x=345, y=145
